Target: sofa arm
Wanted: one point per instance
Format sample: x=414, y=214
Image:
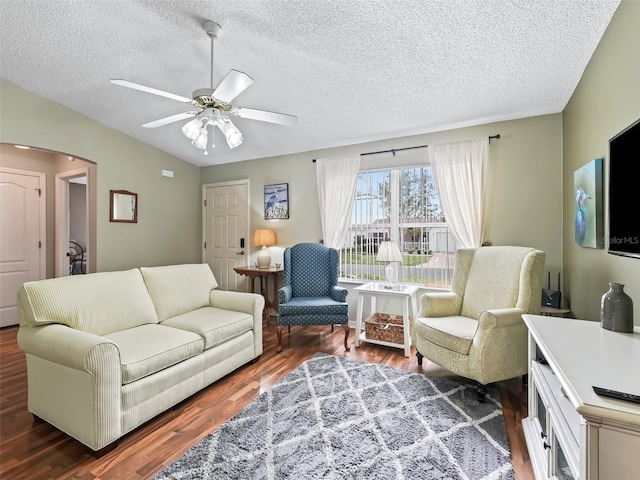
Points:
x=62, y=345
x=250, y=303
x=440, y=304
x=339, y=294
x=74, y=382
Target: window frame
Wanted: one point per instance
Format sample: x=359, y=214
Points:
x=354, y=248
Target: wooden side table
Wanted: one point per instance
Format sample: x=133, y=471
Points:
x=554, y=312
x=263, y=274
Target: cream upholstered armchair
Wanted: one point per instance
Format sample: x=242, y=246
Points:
x=476, y=329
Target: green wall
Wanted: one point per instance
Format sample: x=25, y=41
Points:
x=524, y=183
x=169, y=216
x=605, y=102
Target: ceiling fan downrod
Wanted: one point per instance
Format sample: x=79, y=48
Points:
x=212, y=28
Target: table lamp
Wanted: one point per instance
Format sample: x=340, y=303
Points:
x=389, y=252
x=265, y=237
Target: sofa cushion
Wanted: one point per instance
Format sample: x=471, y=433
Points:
x=453, y=333
x=178, y=289
x=215, y=325
x=97, y=303
x=147, y=349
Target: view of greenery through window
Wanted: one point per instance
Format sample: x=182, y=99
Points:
x=400, y=205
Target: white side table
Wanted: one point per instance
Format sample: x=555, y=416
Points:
x=374, y=290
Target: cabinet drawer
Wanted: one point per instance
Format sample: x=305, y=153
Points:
x=569, y=413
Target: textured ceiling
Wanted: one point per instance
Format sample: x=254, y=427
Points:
x=352, y=71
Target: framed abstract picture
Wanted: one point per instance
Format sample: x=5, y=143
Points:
x=276, y=201
x=589, y=211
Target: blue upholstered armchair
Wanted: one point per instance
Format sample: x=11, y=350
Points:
x=310, y=294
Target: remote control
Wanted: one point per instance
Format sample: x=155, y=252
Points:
x=605, y=392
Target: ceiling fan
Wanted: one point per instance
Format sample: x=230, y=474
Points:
x=213, y=106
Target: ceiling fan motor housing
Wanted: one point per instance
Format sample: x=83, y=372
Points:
x=203, y=98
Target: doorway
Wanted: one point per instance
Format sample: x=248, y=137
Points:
x=72, y=222
x=226, y=231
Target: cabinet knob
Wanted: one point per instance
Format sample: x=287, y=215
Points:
x=546, y=445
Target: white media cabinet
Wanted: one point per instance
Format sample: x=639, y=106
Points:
x=571, y=432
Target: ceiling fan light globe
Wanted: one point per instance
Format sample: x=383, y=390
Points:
x=231, y=133
x=192, y=129
x=201, y=141
x=234, y=139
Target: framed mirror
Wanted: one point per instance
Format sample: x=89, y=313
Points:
x=123, y=206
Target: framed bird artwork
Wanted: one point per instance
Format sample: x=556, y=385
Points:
x=276, y=201
x=589, y=214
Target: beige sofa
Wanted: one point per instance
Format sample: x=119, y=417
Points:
x=108, y=351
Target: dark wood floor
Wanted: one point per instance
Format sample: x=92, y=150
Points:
x=31, y=450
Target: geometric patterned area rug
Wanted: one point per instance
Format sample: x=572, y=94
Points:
x=335, y=418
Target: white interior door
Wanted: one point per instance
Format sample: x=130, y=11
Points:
x=22, y=234
x=226, y=231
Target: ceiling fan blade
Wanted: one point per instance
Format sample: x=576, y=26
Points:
x=171, y=119
x=143, y=88
x=264, y=116
x=231, y=86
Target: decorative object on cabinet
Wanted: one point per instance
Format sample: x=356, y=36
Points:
x=265, y=237
x=589, y=217
x=123, y=206
x=276, y=201
x=616, y=309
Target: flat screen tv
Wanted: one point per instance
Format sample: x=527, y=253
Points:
x=624, y=219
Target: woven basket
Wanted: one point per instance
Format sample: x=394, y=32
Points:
x=385, y=327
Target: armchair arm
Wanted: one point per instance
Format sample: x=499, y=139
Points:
x=74, y=381
x=503, y=317
x=339, y=294
x=440, y=304
x=250, y=303
x=284, y=294
x=503, y=327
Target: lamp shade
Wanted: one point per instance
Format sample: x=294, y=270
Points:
x=389, y=252
x=264, y=237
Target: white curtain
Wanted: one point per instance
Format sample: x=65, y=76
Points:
x=337, y=177
x=459, y=169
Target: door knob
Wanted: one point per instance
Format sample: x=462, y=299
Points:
x=240, y=253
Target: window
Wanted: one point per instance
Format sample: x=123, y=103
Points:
x=399, y=204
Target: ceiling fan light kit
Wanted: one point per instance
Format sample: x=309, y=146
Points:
x=213, y=105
